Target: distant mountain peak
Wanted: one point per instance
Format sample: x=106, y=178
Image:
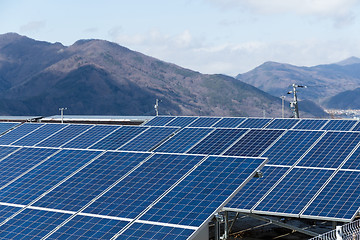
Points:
x=349, y=61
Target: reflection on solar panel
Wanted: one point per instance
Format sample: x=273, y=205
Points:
x=229, y=122
x=331, y=150
x=291, y=146
x=181, y=121
x=5, y=126
x=39, y=134
x=294, y=191
x=46, y=175
x=204, y=122
x=354, y=161
x=255, y=123
x=283, y=123
x=18, y=132
x=254, y=143
x=159, y=121
x=91, y=181
x=91, y=136
x=183, y=140
x=217, y=141
x=63, y=136
x=310, y=124
x=149, y=139
x=340, y=125
x=118, y=138
x=339, y=199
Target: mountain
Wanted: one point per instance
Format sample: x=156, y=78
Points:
x=103, y=78
x=344, y=100
x=349, y=61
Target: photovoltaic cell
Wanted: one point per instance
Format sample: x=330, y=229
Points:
x=63, y=136
x=229, y=122
x=118, y=138
x=7, y=211
x=159, y=121
x=4, y=151
x=45, y=176
x=5, y=126
x=204, y=122
x=143, y=186
x=181, y=121
x=77, y=191
x=254, y=143
x=149, y=139
x=331, y=150
x=253, y=191
x=204, y=191
x=291, y=146
x=354, y=161
x=311, y=124
x=339, y=125
x=255, y=123
x=282, y=123
x=217, y=141
x=339, y=199
x=294, y=191
x=357, y=127
x=39, y=135
x=183, y=140
x=18, y=132
x=91, y=136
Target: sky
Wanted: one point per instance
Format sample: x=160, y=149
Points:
x=210, y=36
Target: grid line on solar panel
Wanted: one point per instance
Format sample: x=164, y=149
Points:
x=159, y=121
x=228, y=122
x=6, y=126
x=356, y=127
x=181, y=121
x=7, y=211
x=183, y=140
x=19, y=132
x=282, y=123
x=255, y=123
x=217, y=141
x=310, y=124
x=339, y=125
x=5, y=151
x=205, y=122
x=38, y=135
x=119, y=137
x=353, y=162
x=332, y=149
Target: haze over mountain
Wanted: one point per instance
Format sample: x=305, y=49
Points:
x=99, y=77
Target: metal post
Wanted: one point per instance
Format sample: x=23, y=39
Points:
x=226, y=225
x=62, y=114
x=218, y=220
x=339, y=233
x=282, y=106
x=157, y=107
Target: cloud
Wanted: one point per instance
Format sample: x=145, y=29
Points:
x=33, y=26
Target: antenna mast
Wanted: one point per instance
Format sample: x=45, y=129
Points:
x=294, y=104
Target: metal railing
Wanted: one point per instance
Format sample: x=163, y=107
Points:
x=350, y=231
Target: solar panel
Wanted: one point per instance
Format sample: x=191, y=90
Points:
x=63, y=136
x=292, y=194
x=4, y=151
x=356, y=127
x=217, y=141
x=18, y=132
x=340, y=125
x=204, y=122
x=283, y=123
x=354, y=161
x=7, y=211
x=331, y=150
x=340, y=198
x=291, y=146
x=5, y=126
x=181, y=121
x=255, y=123
x=149, y=139
x=183, y=140
x=253, y=143
x=159, y=121
x=39, y=135
x=91, y=136
x=229, y=122
x=118, y=138
x=310, y=124
x=77, y=191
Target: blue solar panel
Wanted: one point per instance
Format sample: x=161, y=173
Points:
x=183, y=140
x=292, y=194
x=310, y=124
x=18, y=132
x=181, y=121
x=282, y=123
x=331, y=150
x=204, y=191
x=205, y=122
x=217, y=141
x=7, y=211
x=291, y=146
x=31, y=224
x=356, y=127
x=354, y=161
x=91, y=136
x=255, y=123
x=149, y=139
x=5, y=126
x=143, y=186
x=91, y=181
x=84, y=227
x=340, y=125
x=159, y=121
x=63, y=136
x=229, y=122
x=4, y=151
x=254, y=143
x=39, y=135
x=43, y=177
x=118, y=138
x=340, y=198
x=253, y=191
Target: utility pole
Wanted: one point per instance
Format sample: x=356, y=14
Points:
x=282, y=106
x=294, y=104
x=62, y=114
x=157, y=107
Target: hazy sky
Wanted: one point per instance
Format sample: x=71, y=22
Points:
x=210, y=36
